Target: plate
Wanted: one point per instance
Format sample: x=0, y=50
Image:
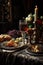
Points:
x=21, y=45
x=32, y=52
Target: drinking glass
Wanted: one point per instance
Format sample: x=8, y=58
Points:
x=23, y=27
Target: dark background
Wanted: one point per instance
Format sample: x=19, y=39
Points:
x=24, y=7
x=21, y=8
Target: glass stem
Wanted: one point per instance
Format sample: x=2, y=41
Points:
x=23, y=37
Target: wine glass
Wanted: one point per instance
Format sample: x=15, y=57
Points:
x=23, y=27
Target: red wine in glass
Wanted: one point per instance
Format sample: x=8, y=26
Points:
x=24, y=27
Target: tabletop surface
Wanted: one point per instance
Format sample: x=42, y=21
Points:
x=21, y=57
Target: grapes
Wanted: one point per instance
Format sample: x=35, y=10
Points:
x=14, y=33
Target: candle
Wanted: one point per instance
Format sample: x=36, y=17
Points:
x=36, y=13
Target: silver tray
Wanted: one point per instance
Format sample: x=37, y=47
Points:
x=21, y=45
